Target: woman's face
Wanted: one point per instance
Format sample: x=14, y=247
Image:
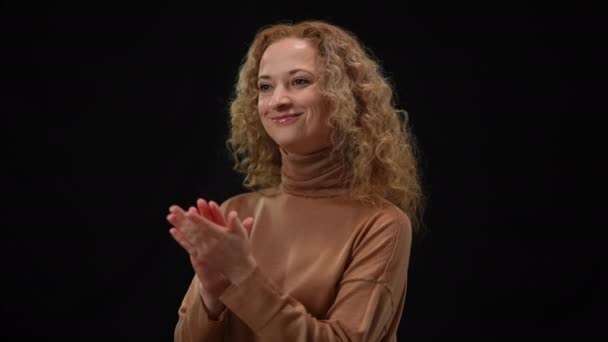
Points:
x=290, y=104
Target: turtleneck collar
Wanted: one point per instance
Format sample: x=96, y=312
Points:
x=311, y=175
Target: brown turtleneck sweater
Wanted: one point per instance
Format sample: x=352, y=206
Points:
x=329, y=268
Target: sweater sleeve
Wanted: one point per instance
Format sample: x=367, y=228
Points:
x=365, y=304
x=194, y=323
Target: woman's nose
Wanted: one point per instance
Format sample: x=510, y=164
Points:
x=280, y=98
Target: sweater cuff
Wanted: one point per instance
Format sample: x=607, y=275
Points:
x=254, y=300
x=212, y=321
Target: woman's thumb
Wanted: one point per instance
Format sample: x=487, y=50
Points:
x=248, y=225
x=234, y=224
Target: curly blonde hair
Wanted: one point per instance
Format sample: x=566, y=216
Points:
x=368, y=137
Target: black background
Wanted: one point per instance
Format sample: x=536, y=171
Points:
x=111, y=114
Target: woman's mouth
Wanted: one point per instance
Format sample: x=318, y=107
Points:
x=285, y=119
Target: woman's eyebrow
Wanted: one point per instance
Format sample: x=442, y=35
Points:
x=291, y=72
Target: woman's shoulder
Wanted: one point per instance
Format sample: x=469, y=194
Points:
x=385, y=216
x=393, y=212
x=376, y=209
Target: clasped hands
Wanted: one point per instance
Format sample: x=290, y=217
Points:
x=218, y=246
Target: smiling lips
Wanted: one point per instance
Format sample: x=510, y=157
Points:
x=283, y=119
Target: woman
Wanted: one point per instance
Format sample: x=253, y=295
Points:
x=323, y=251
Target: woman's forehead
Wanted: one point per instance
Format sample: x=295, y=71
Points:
x=287, y=55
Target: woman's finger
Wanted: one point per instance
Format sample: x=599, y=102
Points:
x=172, y=218
x=178, y=213
x=235, y=225
x=203, y=209
x=182, y=240
x=216, y=212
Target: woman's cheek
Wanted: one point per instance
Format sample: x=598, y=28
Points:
x=262, y=105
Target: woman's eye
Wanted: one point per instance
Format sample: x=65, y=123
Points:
x=264, y=87
x=300, y=81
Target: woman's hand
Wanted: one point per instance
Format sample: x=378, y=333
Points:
x=218, y=247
